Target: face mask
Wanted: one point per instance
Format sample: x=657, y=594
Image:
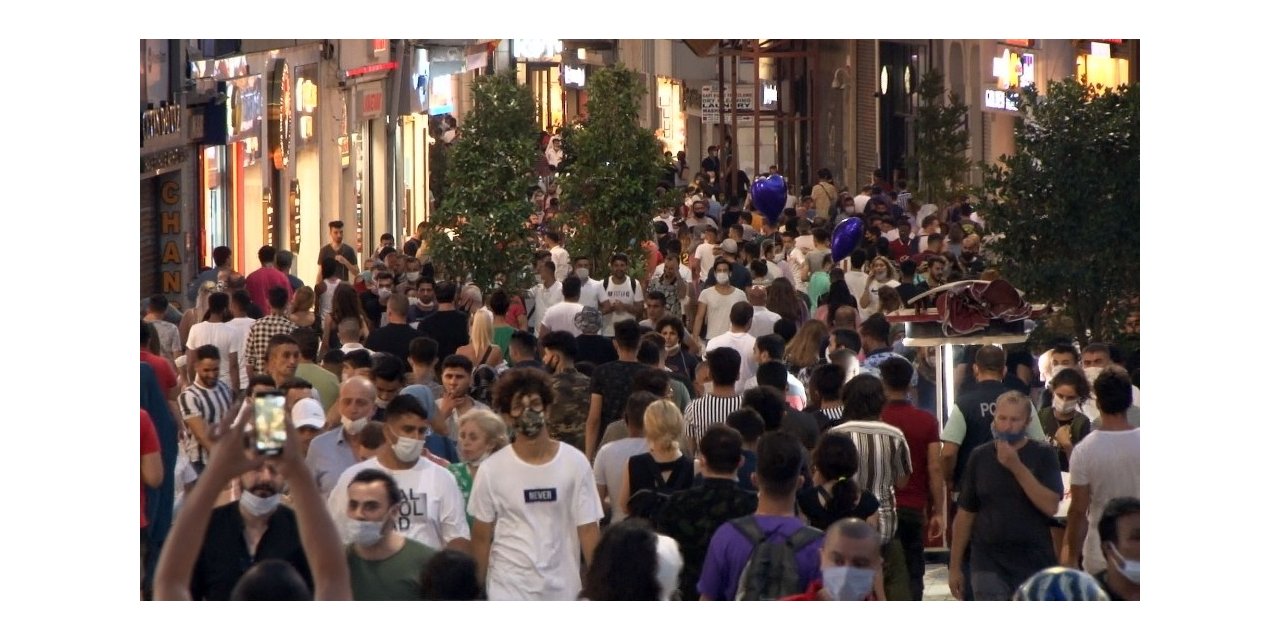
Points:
x=882, y=277
x=257, y=506
x=384, y=293
x=1092, y=373
x=722, y=278
x=582, y=274
x=413, y=301
x=365, y=534
x=1011, y=438
x=412, y=276
x=530, y=423
x=848, y=583
x=1063, y=406
x=482, y=458
x=1053, y=373
x=353, y=427
x=1127, y=567
x=380, y=403
x=408, y=449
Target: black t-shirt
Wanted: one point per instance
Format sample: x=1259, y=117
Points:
x=1013, y=357
x=350, y=254
x=612, y=381
x=448, y=329
x=822, y=515
x=224, y=556
x=596, y=349
x=1006, y=518
x=393, y=339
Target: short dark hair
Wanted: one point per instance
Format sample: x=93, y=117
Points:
x=772, y=374
x=769, y=403
x=875, y=327
x=747, y=422
x=554, y=236
x=657, y=296
x=296, y=383
x=778, y=459
x=989, y=358
x=261, y=380
x=372, y=437
x=896, y=373
x=267, y=254
x=308, y=342
x=207, y=352
x=786, y=328
x=908, y=268
x=271, y=580
x=221, y=255
x=423, y=350
x=242, y=299
x=390, y=369
x=858, y=258
x=772, y=345
x=284, y=260
x=456, y=361
x=740, y=314
x=863, y=398
x=519, y=382
x=377, y=475
x=328, y=267
x=848, y=339
x=525, y=342
x=1073, y=377
x=562, y=342
x=673, y=322
x=359, y=359
x=499, y=302
x=571, y=287
x=627, y=334
x=157, y=303
x=335, y=224
x=648, y=352
x=278, y=297
x=1113, y=390
x=619, y=256
x=826, y=380
x=278, y=340
x=637, y=403
x=1116, y=508
x=332, y=356
x=446, y=292
x=654, y=381
x=405, y=405
x=725, y=364
x=721, y=449
x=450, y=575
x=1066, y=347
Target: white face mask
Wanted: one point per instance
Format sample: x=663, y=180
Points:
x=412, y=276
x=257, y=506
x=380, y=403
x=364, y=534
x=722, y=278
x=1127, y=567
x=848, y=583
x=582, y=274
x=384, y=293
x=481, y=458
x=408, y=449
x=1063, y=406
x=1092, y=373
x=353, y=427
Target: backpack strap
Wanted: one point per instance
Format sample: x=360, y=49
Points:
x=748, y=527
x=803, y=537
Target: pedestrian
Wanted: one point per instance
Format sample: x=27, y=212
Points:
x=851, y=563
x=384, y=564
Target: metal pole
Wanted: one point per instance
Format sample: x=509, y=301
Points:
x=719, y=117
x=732, y=182
x=756, y=102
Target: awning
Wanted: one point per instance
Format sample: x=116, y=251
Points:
x=703, y=48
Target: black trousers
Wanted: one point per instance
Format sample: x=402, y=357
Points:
x=911, y=532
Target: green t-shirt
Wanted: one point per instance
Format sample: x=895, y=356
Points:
x=502, y=339
x=462, y=474
x=395, y=578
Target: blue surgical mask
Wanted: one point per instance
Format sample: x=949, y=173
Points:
x=1011, y=438
x=848, y=583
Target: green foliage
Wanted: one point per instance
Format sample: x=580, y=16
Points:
x=490, y=169
x=614, y=166
x=1067, y=204
x=942, y=139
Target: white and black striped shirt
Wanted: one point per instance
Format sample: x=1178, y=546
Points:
x=706, y=411
x=208, y=404
x=833, y=414
x=883, y=458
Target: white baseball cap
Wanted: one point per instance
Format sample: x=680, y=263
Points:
x=308, y=413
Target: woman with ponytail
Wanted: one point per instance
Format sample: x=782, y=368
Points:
x=835, y=493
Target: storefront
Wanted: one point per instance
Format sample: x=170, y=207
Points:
x=235, y=198
x=538, y=67
x=366, y=178
x=671, y=123
x=164, y=239
x=305, y=221
x=1014, y=65
x=428, y=92
x=1105, y=62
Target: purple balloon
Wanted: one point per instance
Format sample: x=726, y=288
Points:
x=769, y=195
x=845, y=238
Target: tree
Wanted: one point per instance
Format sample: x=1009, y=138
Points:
x=1064, y=207
x=480, y=232
x=942, y=141
x=609, y=190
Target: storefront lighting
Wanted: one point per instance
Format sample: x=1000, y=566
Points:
x=1100, y=49
x=884, y=80
x=582, y=54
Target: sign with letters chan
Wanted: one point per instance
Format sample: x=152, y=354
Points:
x=169, y=197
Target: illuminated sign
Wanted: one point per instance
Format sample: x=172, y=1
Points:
x=377, y=46
x=1013, y=70
x=997, y=99
x=371, y=102
x=537, y=49
x=575, y=76
x=161, y=122
x=282, y=116
x=171, y=258
x=306, y=99
x=769, y=97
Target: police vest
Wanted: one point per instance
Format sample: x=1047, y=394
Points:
x=978, y=407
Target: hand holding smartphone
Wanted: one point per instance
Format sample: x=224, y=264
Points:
x=268, y=422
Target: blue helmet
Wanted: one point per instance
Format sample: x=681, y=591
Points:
x=1060, y=583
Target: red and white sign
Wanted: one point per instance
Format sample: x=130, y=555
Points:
x=371, y=103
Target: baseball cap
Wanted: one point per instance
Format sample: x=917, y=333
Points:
x=308, y=413
x=729, y=246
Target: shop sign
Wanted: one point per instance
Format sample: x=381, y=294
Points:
x=537, y=50
x=169, y=195
x=1000, y=100
x=371, y=103
x=378, y=47
x=574, y=76
x=306, y=97
x=243, y=107
x=163, y=161
x=769, y=95
x=282, y=116
x=716, y=110
x=161, y=123
x=1014, y=70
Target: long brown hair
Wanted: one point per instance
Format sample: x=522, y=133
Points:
x=805, y=349
x=346, y=304
x=782, y=299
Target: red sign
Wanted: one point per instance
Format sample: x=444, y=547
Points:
x=373, y=68
x=1018, y=43
x=371, y=103
x=379, y=46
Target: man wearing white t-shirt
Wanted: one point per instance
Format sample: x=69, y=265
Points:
x=611, y=460
x=714, y=303
x=217, y=332
x=547, y=293
x=559, y=316
x=431, y=506
x=590, y=294
x=622, y=297
x=762, y=319
x=559, y=256
x=535, y=503
x=739, y=338
x=241, y=323
x=704, y=257
x=1104, y=465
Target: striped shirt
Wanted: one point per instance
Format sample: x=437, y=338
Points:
x=207, y=404
x=884, y=457
x=833, y=414
x=255, y=345
x=704, y=412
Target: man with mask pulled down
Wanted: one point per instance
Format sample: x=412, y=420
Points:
x=331, y=452
x=384, y=564
x=535, y=503
x=850, y=562
x=431, y=508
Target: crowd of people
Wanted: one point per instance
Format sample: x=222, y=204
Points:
x=736, y=418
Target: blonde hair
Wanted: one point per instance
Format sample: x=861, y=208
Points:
x=490, y=424
x=481, y=334
x=806, y=346
x=888, y=264
x=663, y=424
x=304, y=299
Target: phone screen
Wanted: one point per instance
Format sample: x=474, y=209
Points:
x=268, y=422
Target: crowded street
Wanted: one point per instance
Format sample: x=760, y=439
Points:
x=637, y=320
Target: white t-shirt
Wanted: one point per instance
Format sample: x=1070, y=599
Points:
x=536, y=512
x=874, y=307
x=242, y=326
x=560, y=258
x=857, y=281
x=718, y=307
x=431, y=507
x=1107, y=461
x=559, y=317
x=590, y=294
x=619, y=293
x=762, y=322
x=326, y=298
x=611, y=468
x=543, y=298
x=706, y=255
x=220, y=335
x=744, y=344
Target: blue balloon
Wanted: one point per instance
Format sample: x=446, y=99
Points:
x=769, y=195
x=845, y=238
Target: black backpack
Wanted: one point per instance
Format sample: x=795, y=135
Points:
x=771, y=572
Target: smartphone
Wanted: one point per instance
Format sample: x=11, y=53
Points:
x=268, y=422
